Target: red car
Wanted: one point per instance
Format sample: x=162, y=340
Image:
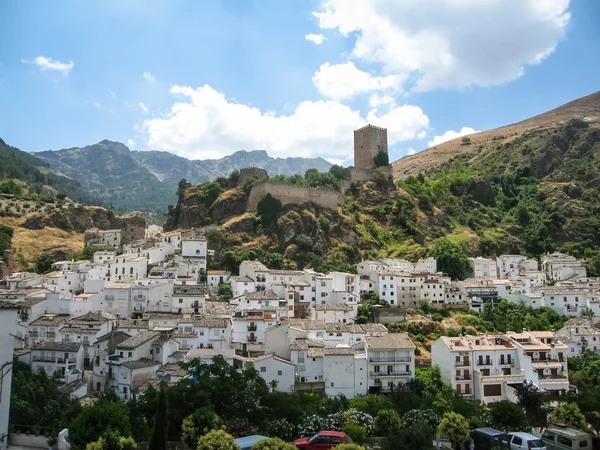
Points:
x=323, y=440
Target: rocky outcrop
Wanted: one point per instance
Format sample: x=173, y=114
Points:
x=229, y=204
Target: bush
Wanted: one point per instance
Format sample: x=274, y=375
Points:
x=381, y=159
x=357, y=433
x=217, y=440
x=387, y=422
x=273, y=444
x=349, y=447
x=437, y=317
x=359, y=418
x=280, y=428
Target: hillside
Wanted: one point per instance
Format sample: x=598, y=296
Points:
x=35, y=177
x=586, y=109
x=534, y=192
x=133, y=180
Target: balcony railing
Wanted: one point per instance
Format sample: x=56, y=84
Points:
x=462, y=363
x=139, y=298
x=252, y=328
x=51, y=334
x=33, y=334
x=485, y=363
x=252, y=339
x=503, y=362
x=393, y=373
x=463, y=377
x=390, y=359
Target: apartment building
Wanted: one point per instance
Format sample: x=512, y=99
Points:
x=489, y=367
x=579, y=335
x=559, y=266
x=482, y=268
x=391, y=361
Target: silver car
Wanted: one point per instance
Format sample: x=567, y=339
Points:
x=525, y=441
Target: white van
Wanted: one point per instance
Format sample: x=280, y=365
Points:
x=561, y=437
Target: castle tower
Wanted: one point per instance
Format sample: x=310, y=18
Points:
x=368, y=141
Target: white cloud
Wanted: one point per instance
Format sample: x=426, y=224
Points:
x=46, y=63
x=450, y=43
x=316, y=38
x=411, y=151
x=451, y=134
x=143, y=107
x=113, y=95
x=377, y=101
x=149, y=77
x=206, y=125
x=130, y=143
x=341, y=81
x=97, y=105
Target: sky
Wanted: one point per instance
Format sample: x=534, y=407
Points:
x=295, y=77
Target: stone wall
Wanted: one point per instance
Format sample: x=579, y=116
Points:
x=359, y=175
x=256, y=172
x=292, y=194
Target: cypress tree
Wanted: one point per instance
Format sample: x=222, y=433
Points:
x=158, y=440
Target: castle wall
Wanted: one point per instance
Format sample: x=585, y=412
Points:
x=256, y=172
x=358, y=175
x=368, y=141
x=292, y=194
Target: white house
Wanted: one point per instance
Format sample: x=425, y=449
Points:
x=21, y=280
x=559, y=266
x=391, y=361
x=275, y=369
x=215, y=278
x=8, y=316
x=63, y=282
x=153, y=231
x=189, y=298
x=483, y=268
x=117, y=298
x=66, y=358
x=127, y=267
x=241, y=284
x=334, y=313
x=580, y=335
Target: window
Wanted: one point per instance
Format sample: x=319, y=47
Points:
x=180, y=300
x=335, y=440
x=280, y=372
x=157, y=351
x=263, y=369
x=492, y=390
x=564, y=441
x=323, y=440
x=517, y=440
x=130, y=354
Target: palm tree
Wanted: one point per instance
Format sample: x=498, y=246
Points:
x=273, y=385
x=587, y=312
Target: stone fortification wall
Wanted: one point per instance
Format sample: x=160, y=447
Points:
x=359, y=175
x=292, y=194
x=256, y=172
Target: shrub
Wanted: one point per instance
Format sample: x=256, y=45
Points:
x=356, y=432
x=273, y=444
x=217, y=440
x=386, y=422
x=359, y=418
x=280, y=428
x=381, y=159
x=349, y=447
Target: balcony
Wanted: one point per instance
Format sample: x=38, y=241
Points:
x=462, y=364
x=508, y=362
x=463, y=377
x=393, y=373
x=34, y=334
x=252, y=328
x=390, y=359
x=485, y=363
x=252, y=339
x=139, y=298
x=51, y=335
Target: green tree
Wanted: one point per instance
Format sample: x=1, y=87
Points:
x=94, y=420
x=349, y=447
x=381, y=159
x=272, y=260
x=466, y=140
x=273, y=444
x=569, y=414
x=158, y=439
x=267, y=209
x=357, y=433
x=338, y=172
x=225, y=292
x=201, y=422
x=507, y=416
x=418, y=437
x=217, y=440
x=451, y=257
x=44, y=262
x=6, y=234
x=455, y=428
x=387, y=421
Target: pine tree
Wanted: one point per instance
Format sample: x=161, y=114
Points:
x=158, y=440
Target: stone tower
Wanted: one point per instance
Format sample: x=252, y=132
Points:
x=368, y=141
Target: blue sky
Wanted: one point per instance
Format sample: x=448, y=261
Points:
x=204, y=79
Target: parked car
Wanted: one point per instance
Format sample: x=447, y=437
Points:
x=525, y=441
x=490, y=439
x=323, y=440
x=561, y=437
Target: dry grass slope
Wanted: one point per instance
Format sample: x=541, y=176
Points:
x=586, y=108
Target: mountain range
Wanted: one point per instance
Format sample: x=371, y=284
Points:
x=147, y=180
